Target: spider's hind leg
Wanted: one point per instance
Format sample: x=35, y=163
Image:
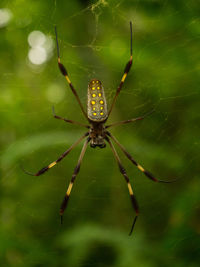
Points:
x=126, y=71
x=65, y=74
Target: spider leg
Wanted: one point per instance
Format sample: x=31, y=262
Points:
x=123, y=122
x=70, y=121
x=43, y=170
x=128, y=121
x=147, y=173
x=64, y=73
x=76, y=171
x=123, y=172
x=126, y=71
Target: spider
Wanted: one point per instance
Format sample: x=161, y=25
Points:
x=97, y=134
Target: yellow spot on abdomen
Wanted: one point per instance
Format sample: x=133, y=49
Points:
x=94, y=113
x=101, y=108
x=93, y=102
x=98, y=88
x=93, y=88
x=94, y=108
x=101, y=101
x=93, y=95
x=99, y=94
x=101, y=113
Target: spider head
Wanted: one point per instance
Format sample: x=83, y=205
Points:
x=98, y=141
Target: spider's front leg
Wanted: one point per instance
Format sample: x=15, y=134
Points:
x=146, y=173
x=76, y=171
x=123, y=172
x=43, y=170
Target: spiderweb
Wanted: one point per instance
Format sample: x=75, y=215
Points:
x=94, y=42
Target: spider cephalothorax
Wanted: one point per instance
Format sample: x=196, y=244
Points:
x=97, y=132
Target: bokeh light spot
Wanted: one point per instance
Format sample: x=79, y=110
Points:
x=36, y=38
x=5, y=17
x=37, y=55
x=41, y=47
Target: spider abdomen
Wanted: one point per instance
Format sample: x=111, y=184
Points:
x=96, y=106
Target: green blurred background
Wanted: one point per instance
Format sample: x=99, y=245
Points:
x=94, y=43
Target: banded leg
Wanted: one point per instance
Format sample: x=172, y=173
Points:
x=128, y=121
x=76, y=171
x=126, y=71
x=123, y=172
x=70, y=121
x=147, y=173
x=64, y=73
x=123, y=122
x=43, y=170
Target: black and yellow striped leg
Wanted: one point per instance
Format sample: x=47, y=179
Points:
x=123, y=172
x=128, y=121
x=147, y=173
x=76, y=171
x=70, y=121
x=123, y=122
x=43, y=170
x=64, y=73
x=126, y=71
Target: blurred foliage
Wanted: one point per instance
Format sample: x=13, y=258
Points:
x=94, y=42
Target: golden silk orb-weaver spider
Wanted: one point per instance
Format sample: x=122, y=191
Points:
x=97, y=133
